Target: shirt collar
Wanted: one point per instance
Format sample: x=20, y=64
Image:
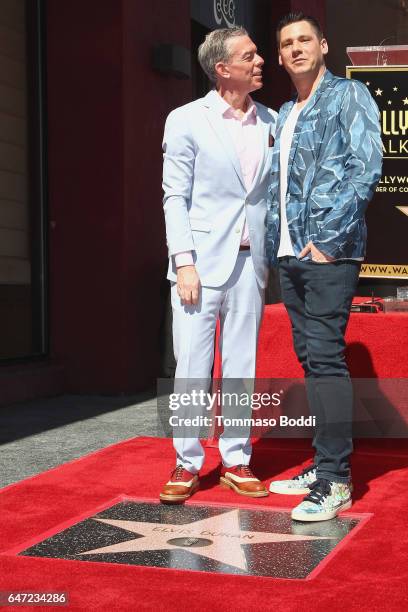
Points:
x=227, y=111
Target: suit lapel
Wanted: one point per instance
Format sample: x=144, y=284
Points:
x=283, y=115
x=323, y=85
x=266, y=131
x=275, y=164
x=218, y=125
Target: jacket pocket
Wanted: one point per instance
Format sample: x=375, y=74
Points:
x=200, y=226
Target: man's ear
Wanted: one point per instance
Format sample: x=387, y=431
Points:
x=324, y=46
x=222, y=70
x=280, y=59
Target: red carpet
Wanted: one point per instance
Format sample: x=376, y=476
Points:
x=376, y=346
x=370, y=571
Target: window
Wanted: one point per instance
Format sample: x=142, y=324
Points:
x=22, y=185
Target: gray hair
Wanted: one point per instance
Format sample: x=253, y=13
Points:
x=214, y=49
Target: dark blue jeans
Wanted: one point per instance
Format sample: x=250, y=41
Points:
x=318, y=297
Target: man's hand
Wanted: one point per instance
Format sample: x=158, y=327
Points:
x=316, y=254
x=188, y=284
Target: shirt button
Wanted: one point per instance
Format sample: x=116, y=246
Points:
x=237, y=230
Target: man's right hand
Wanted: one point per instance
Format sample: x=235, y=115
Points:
x=188, y=284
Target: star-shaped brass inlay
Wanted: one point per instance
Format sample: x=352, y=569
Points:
x=395, y=88
x=405, y=101
x=378, y=92
x=219, y=538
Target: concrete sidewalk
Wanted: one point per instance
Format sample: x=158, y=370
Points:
x=42, y=434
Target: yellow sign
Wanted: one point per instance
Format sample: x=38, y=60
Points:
x=387, y=214
x=384, y=270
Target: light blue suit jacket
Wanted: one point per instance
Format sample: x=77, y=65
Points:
x=205, y=199
x=334, y=166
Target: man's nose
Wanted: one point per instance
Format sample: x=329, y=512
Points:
x=259, y=61
x=296, y=48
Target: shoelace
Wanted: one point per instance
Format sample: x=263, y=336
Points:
x=178, y=473
x=306, y=471
x=246, y=470
x=318, y=491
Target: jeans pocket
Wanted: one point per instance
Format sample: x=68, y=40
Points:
x=331, y=288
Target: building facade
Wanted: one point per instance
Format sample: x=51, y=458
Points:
x=85, y=88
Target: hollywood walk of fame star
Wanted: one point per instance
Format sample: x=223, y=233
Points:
x=378, y=92
x=405, y=101
x=218, y=537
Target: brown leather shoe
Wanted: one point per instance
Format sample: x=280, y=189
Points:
x=181, y=486
x=241, y=479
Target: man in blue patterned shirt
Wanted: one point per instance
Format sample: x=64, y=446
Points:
x=325, y=166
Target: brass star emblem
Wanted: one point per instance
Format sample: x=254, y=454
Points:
x=405, y=101
x=219, y=538
x=378, y=92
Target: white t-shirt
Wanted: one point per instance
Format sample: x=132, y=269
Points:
x=285, y=245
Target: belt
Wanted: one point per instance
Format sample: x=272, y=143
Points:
x=244, y=247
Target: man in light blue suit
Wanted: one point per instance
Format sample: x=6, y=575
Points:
x=326, y=164
x=217, y=157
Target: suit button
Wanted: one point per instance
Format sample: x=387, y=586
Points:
x=237, y=230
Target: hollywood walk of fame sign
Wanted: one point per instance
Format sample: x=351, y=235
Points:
x=386, y=215
x=204, y=538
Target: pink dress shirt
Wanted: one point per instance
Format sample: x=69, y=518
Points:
x=246, y=136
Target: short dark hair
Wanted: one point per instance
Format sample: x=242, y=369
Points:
x=294, y=18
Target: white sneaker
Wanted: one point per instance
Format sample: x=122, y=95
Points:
x=325, y=500
x=299, y=485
